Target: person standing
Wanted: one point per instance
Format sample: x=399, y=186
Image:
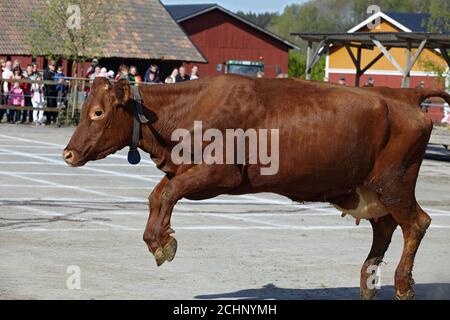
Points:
x=50, y=92
x=134, y=76
x=61, y=88
x=173, y=77
x=426, y=103
x=16, y=98
x=29, y=75
x=37, y=99
x=16, y=115
x=91, y=69
x=182, y=76
x=194, y=73
x=2, y=102
x=153, y=69
x=6, y=75
x=370, y=83
x=123, y=73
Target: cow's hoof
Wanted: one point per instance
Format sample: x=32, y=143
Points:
x=159, y=256
x=367, y=294
x=170, y=249
x=408, y=295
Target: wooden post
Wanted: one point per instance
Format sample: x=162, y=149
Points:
x=75, y=100
x=406, y=72
x=388, y=55
x=356, y=62
x=308, y=61
x=358, y=67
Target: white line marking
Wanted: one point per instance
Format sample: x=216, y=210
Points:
x=55, y=145
x=213, y=201
x=35, y=163
x=34, y=186
x=211, y=228
x=82, y=168
x=57, y=174
x=28, y=146
x=437, y=210
x=42, y=181
x=240, y=218
x=137, y=177
x=189, y=205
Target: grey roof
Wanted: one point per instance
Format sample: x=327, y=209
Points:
x=416, y=22
x=142, y=29
x=389, y=39
x=183, y=12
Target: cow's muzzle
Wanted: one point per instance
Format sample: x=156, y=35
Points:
x=70, y=157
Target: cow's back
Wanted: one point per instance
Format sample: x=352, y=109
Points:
x=328, y=134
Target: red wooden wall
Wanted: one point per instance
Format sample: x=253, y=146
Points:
x=392, y=81
x=436, y=113
x=220, y=37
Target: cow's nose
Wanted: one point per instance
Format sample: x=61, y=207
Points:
x=68, y=156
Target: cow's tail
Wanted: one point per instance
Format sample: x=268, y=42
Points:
x=423, y=94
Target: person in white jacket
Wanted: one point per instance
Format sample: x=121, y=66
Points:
x=7, y=73
x=37, y=99
x=5, y=76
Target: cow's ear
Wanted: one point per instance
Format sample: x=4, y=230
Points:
x=122, y=92
x=101, y=83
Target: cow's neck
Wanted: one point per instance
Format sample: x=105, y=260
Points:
x=169, y=104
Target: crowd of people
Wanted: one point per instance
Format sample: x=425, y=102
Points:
x=24, y=87
x=152, y=74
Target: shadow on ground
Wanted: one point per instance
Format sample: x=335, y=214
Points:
x=425, y=291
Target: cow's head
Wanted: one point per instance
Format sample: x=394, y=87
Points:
x=105, y=125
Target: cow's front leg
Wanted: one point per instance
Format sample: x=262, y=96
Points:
x=154, y=207
x=194, y=181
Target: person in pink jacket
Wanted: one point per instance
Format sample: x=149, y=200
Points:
x=16, y=98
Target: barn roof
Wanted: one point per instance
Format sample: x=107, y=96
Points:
x=183, y=12
x=404, y=21
x=141, y=30
x=416, y=22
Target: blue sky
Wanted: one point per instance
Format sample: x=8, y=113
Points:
x=244, y=5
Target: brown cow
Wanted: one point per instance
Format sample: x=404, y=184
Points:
x=359, y=149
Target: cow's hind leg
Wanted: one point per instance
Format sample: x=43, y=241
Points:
x=398, y=197
x=383, y=228
x=414, y=226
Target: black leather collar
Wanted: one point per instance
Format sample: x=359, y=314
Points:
x=139, y=118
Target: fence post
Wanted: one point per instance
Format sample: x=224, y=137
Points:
x=75, y=101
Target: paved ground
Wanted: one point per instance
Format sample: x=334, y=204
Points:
x=257, y=246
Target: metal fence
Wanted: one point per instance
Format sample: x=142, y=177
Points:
x=66, y=95
x=72, y=94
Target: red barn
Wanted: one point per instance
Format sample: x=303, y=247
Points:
x=221, y=35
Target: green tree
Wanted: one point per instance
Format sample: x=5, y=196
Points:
x=260, y=19
x=75, y=30
x=439, y=16
x=297, y=66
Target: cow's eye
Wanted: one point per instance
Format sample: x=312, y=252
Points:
x=98, y=113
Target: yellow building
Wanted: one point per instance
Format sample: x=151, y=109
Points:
x=339, y=63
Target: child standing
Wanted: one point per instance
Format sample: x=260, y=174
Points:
x=61, y=88
x=37, y=99
x=16, y=98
